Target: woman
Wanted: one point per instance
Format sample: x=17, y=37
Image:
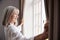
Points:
x=12, y=32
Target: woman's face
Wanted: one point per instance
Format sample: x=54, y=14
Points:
x=15, y=14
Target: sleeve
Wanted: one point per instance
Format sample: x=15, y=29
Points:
x=17, y=35
x=19, y=27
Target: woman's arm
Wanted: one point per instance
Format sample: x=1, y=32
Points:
x=16, y=34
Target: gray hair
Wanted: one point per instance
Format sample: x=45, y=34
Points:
x=7, y=11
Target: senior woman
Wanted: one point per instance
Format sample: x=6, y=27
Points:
x=12, y=32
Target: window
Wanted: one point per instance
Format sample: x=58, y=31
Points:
x=34, y=15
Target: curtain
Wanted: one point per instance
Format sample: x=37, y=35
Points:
x=21, y=7
x=44, y=35
x=53, y=9
x=46, y=8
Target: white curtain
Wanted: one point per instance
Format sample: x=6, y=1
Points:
x=34, y=15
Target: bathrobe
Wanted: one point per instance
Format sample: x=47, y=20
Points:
x=13, y=32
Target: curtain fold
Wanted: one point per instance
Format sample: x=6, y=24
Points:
x=21, y=7
x=47, y=8
x=51, y=19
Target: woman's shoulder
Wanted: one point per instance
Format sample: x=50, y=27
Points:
x=12, y=28
x=8, y=27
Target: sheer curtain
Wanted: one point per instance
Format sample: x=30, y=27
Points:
x=28, y=18
x=34, y=17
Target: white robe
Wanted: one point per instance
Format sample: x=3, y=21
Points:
x=13, y=33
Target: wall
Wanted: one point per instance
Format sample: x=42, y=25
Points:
x=3, y=4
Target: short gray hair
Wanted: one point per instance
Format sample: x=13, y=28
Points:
x=7, y=11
